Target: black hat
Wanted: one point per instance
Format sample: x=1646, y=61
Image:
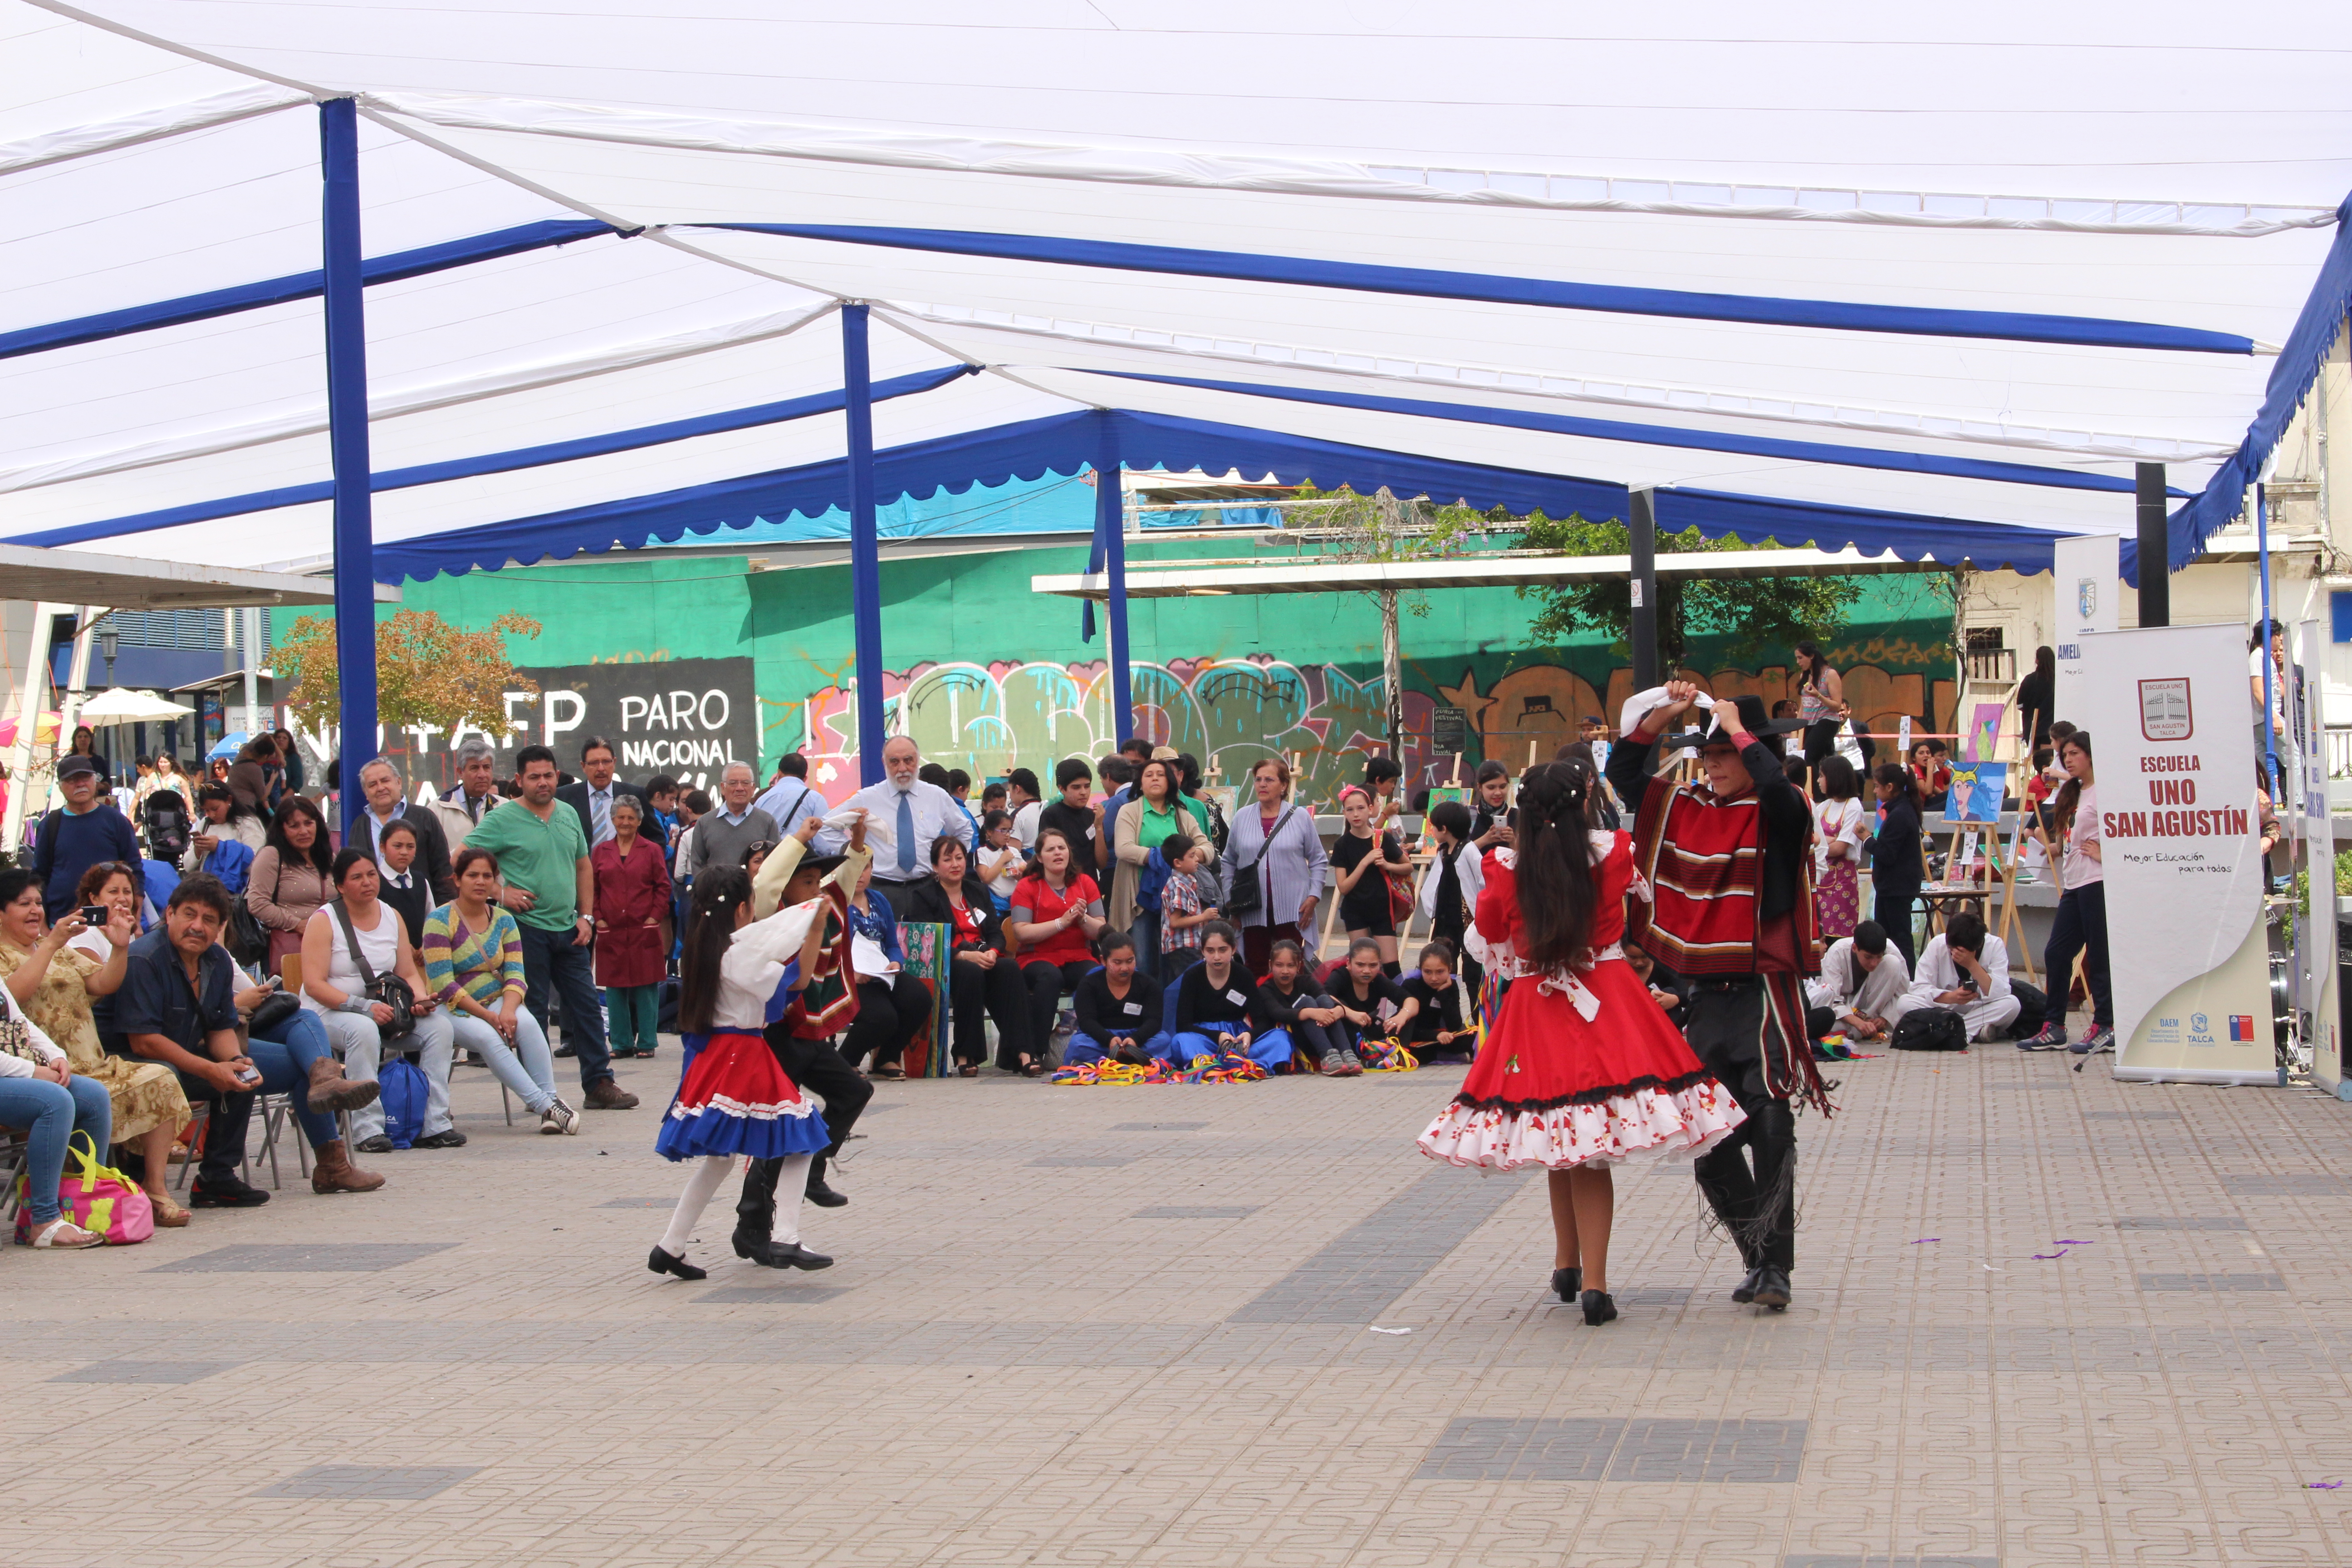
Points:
x=1752, y=719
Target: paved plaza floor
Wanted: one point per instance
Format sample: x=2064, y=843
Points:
x=2042, y=1319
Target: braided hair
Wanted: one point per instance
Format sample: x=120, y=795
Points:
x=1558, y=893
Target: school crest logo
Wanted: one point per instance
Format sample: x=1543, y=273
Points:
x=2087, y=597
x=2164, y=711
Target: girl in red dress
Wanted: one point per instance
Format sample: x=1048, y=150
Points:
x=1582, y=1069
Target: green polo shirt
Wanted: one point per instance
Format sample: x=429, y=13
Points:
x=1154, y=828
x=541, y=857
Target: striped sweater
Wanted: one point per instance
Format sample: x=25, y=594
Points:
x=484, y=965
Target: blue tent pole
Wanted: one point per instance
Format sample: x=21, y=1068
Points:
x=2270, y=697
x=347, y=442
x=1110, y=527
x=865, y=543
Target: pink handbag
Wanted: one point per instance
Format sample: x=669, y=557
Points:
x=99, y=1198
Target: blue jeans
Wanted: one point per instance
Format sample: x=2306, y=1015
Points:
x=526, y=1068
x=1087, y=1048
x=1146, y=932
x=284, y=1055
x=551, y=956
x=50, y=1113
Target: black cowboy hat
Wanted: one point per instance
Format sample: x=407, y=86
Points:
x=1751, y=718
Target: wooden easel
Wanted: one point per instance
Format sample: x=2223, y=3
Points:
x=2000, y=871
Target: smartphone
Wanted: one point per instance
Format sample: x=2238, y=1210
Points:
x=96, y=915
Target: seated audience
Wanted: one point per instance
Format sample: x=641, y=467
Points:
x=891, y=1004
x=473, y=962
x=1056, y=914
x=292, y=877
x=58, y=983
x=1118, y=1010
x=177, y=1005
x=41, y=1094
x=1288, y=1000
x=1373, y=1007
x=224, y=822
x=1965, y=968
x=334, y=990
x=1217, y=1007
x=983, y=981
x=1000, y=858
x=1071, y=811
x=1862, y=987
x=1440, y=1029
x=404, y=886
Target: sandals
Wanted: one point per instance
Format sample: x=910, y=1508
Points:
x=889, y=1071
x=967, y=1070
x=169, y=1214
x=61, y=1234
x=1033, y=1069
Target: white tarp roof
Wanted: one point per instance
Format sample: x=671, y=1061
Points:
x=2177, y=174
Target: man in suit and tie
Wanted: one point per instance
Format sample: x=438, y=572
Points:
x=385, y=785
x=592, y=796
x=912, y=814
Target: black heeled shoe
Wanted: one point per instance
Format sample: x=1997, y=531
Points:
x=661, y=1262
x=1567, y=1282
x=1598, y=1308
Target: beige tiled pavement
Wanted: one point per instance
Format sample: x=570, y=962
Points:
x=1008, y=1366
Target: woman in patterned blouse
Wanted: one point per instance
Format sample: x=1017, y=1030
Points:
x=473, y=961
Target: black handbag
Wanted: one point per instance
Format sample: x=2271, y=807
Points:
x=246, y=941
x=389, y=989
x=275, y=1009
x=1247, y=894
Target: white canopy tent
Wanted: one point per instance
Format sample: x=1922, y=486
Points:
x=1935, y=285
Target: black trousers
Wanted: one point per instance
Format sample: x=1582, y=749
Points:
x=889, y=1013
x=1757, y=1202
x=1820, y=739
x=223, y=1162
x=1890, y=908
x=1047, y=982
x=818, y=1067
x=975, y=995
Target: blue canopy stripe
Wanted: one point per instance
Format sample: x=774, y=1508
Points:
x=498, y=462
x=1662, y=435
x=299, y=286
x=1066, y=443
x=1832, y=314
x=2307, y=345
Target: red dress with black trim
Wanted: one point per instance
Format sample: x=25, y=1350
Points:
x=1581, y=1068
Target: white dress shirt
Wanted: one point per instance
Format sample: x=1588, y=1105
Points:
x=936, y=814
x=1849, y=991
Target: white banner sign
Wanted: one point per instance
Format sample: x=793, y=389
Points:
x=2088, y=582
x=2172, y=729
x=2315, y=928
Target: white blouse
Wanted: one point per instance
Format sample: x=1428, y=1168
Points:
x=755, y=966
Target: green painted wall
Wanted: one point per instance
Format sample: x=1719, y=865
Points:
x=999, y=673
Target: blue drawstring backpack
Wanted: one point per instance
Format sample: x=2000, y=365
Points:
x=404, y=1096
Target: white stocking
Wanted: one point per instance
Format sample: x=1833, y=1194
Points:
x=699, y=1189
x=792, y=1181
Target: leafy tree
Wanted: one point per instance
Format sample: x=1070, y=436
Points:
x=1382, y=527
x=428, y=673
x=1756, y=614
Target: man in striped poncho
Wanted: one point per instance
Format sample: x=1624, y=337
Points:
x=1732, y=912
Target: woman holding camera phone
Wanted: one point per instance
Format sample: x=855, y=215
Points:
x=60, y=983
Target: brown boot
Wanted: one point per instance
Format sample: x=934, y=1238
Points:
x=331, y=1091
x=332, y=1171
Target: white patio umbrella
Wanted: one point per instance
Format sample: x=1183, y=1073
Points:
x=119, y=705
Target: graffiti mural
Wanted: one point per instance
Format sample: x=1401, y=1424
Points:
x=1231, y=713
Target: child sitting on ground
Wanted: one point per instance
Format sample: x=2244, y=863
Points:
x=1439, y=1029
x=1288, y=1000
x=1361, y=990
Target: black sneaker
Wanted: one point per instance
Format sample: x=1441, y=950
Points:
x=233, y=1194
x=451, y=1139
x=379, y=1145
